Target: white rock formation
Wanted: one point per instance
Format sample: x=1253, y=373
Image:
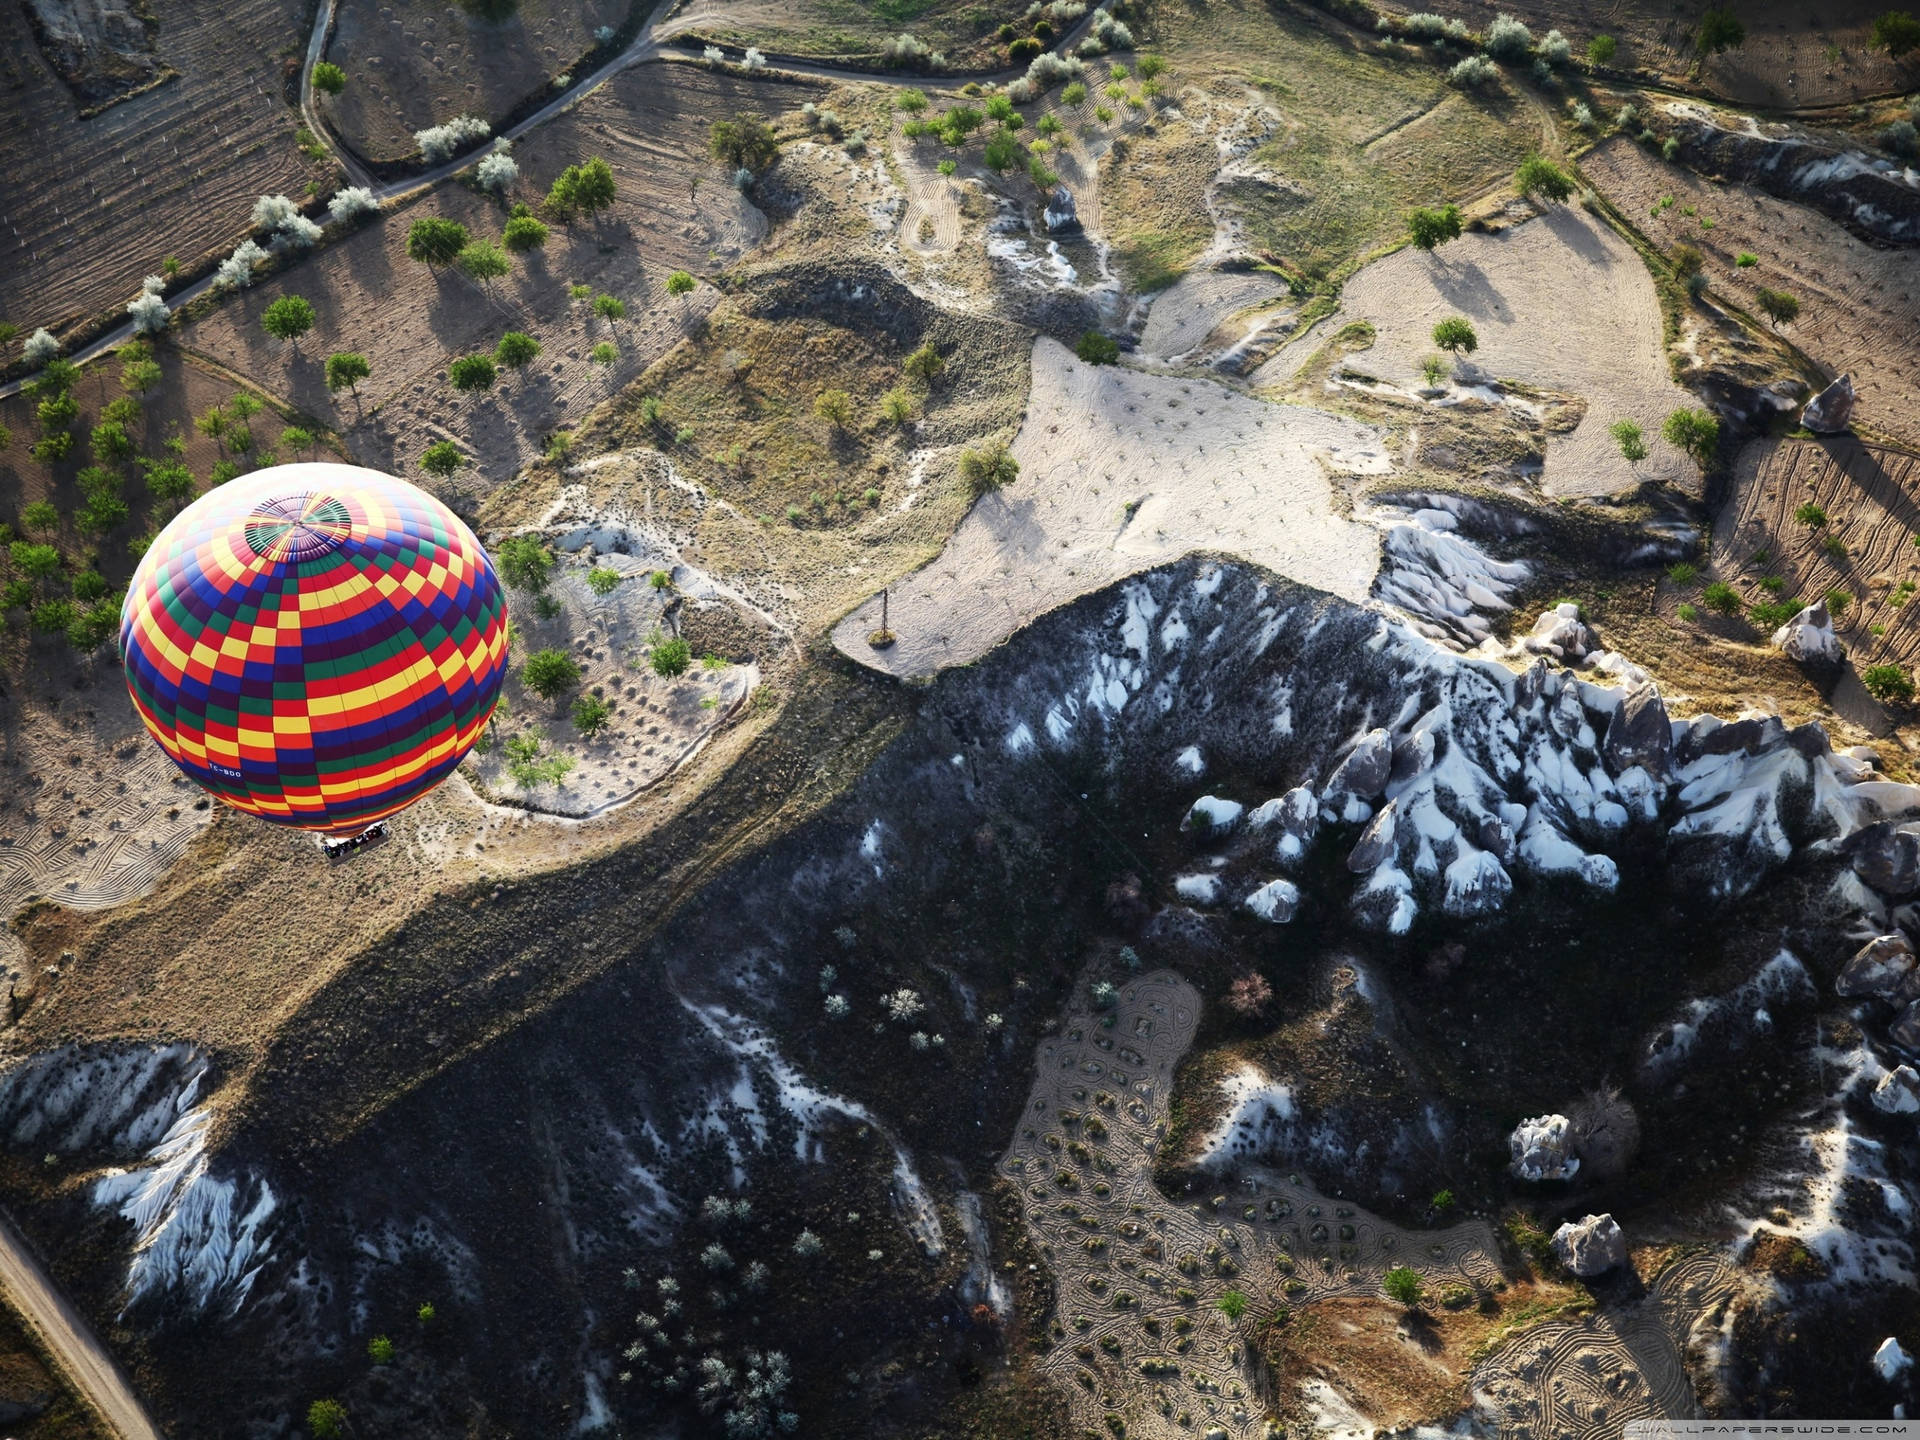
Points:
x=1543, y=1149
x=1809, y=637
x=1591, y=1247
x=1891, y=1360
x=1559, y=633
x=1898, y=1092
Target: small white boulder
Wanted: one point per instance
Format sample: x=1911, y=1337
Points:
x=1891, y=1360
x=1211, y=812
x=1275, y=901
x=1542, y=1149
x=1809, y=637
x=1898, y=1092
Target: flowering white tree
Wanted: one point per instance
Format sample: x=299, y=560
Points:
x=148, y=310
x=498, y=170
x=40, y=347
x=439, y=142
x=236, y=271
x=351, y=203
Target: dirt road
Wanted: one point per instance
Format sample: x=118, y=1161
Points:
x=74, y=1348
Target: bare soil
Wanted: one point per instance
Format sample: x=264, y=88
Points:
x=959, y=29
x=412, y=66
x=94, y=205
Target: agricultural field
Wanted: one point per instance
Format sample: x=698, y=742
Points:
x=1792, y=57
x=1859, y=303
x=1830, y=519
x=95, y=204
x=410, y=67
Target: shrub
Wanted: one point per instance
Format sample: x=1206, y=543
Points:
x=988, y=467
x=1778, y=306
x=1075, y=94
x=380, y=1350
x=350, y=203
x=670, y=658
x=743, y=142
x=442, y=458
x=432, y=241
x=327, y=1419
x=1887, y=683
x=1403, y=1286
x=905, y=50
x=1232, y=1304
x=288, y=318
x=1050, y=70
x=1508, y=40
x=1538, y=175
x=472, y=372
x=590, y=714
x=1456, y=336
x=605, y=353
x=1601, y=49
x=526, y=563
x=1582, y=115
x=347, y=369
x=1097, y=349
x=896, y=407
x=329, y=78
x=1901, y=138
x=1249, y=995
x=1772, y=614
x=439, y=142
x=807, y=1245
x=497, y=170
x=40, y=347
x=1687, y=613
x=603, y=580
x=925, y=364
x=1628, y=436
x=1473, y=73
x=1431, y=227
x=515, y=350
x=1555, y=48
x=1719, y=30
x=1722, y=597
x=1694, y=431
x=1894, y=31
x=1023, y=50
x=1683, y=573
x=550, y=673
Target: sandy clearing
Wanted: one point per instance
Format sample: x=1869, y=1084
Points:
x=931, y=223
x=1204, y=302
x=1119, y=472
x=1559, y=302
x=1860, y=305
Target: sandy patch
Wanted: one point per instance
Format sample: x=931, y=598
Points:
x=1209, y=312
x=1119, y=472
x=1560, y=303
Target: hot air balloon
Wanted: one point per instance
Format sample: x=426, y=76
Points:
x=317, y=644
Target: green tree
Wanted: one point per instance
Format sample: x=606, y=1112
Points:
x=1232, y=1304
x=329, y=78
x=1434, y=227
x=42, y=517
x=743, y=143
x=346, y=370
x=1403, y=1286
x=472, y=372
x=93, y=627
x=1097, y=349
x=896, y=407
x=57, y=411
x=1455, y=336
x=679, y=283
x=1632, y=442
x=988, y=467
x=1601, y=49
x=610, y=308
x=1002, y=153
x=550, y=673
x=442, y=458
x=1538, y=175
x=1778, y=306
x=835, y=407
x=1694, y=431
x=54, y=616
x=170, y=481
x=288, y=318
x=482, y=260
x=670, y=658
x=434, y=242
x=603, y=579
x=1889, y=684
x=515, y=350
x=1894, y=31
x=590, y=714
x=1720, y=29
x=526, y=563
x=912, y=99
x=327, y=1419
x=140, y=374
x=525, y=231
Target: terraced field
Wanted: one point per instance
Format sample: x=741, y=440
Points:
x=93, y=205
x=1863, y=546
x=1859, y=305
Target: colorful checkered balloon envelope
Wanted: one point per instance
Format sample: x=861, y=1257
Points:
x=317, y=645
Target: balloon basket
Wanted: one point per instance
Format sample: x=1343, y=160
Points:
x=348, y=846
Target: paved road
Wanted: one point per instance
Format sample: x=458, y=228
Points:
x=82, y=1359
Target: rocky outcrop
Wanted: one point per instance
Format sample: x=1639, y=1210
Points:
x=1877, y=968
x=1898, y=1092
x=1591, y=1247
x=1809, y=637
x=1887, y=857
x=1062, y=215
x=1543, y=1149
x=1297, y=813
x=1559, y=633
x=1366, y=769
x=1211, y=813
x=1275, y=901
x=1640, y=733
x=1831, y=411
x=1905, y=1031
x=1376, y=842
